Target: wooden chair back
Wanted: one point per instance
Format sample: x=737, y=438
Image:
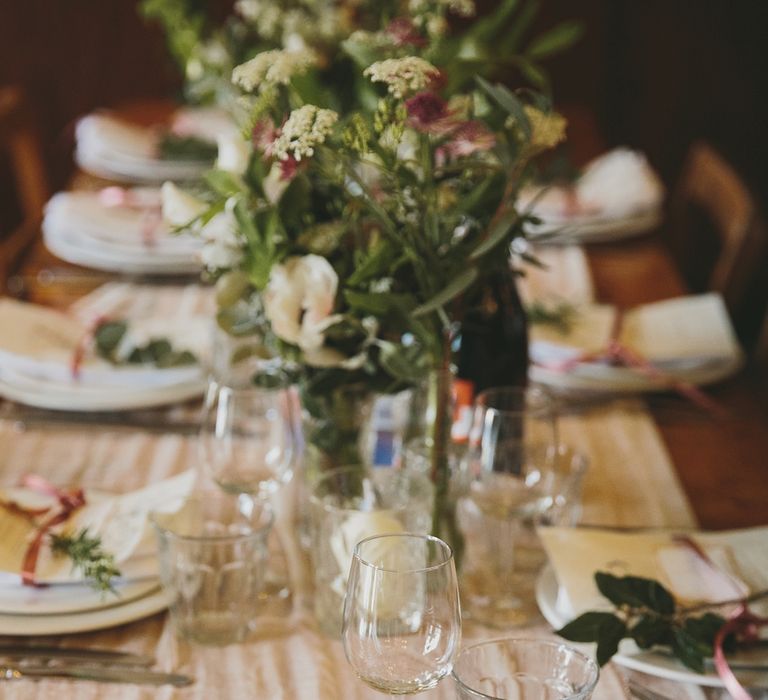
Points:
x=716, y=232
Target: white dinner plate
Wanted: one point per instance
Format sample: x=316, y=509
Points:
x=600, y=378
x=630, y=656
x=32, y=625
x=116, y=165
x=63, y=599
x=45, y=394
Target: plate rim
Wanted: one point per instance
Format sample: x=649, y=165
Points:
x=72, y=623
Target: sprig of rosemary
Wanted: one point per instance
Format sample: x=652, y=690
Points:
x=87, y=555
x=649, y=614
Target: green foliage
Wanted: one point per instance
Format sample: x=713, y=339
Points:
x=89, y=557
x=173, y=147
x=158, y=352
x=647, y=613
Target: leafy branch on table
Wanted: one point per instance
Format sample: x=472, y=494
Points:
x=648, y=613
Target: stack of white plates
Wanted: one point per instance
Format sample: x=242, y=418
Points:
x=63, y=608
x=90, y=229
x=618, y=195
x=36, y=362
x=117, y=150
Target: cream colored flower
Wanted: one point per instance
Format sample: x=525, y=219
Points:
x=222, y=248
x=178, y=207
x=299, y=299
x=234, y=153
x=305, y=128
x=275, y=67
x=547, y=130
x=402, y=76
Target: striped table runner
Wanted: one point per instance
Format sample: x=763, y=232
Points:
x=630, y=482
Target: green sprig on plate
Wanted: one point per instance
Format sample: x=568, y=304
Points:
x=158, y=351
x=647, y=613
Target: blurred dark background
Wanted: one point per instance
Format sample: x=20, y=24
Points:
x=656, y=75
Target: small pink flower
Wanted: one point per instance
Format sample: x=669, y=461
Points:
x=288, y=168
x=428, y=113
x=468, y=138
x=403, y=33
x=263, y=135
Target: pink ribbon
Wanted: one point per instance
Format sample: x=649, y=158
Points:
x=151, y=211
x=69, y=500
x=78, y=355
x=742, y=623
x=618, y=354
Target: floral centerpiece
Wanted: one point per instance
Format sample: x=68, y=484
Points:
x=355, y=223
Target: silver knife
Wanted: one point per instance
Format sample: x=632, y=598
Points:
x=70, y=654
x=120, y=674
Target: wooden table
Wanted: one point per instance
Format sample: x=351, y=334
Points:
x=722, y=462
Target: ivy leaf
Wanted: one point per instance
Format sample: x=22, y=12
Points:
x=459, y=283
x=602, y=627
x=651, y=630
x=704, y=629
x=636, y=592
x=689, y=650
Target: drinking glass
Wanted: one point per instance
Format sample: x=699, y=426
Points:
x=246, y=446
x=213, y=554
x=524, y=669
x=402, y=618
x=511, y=482
x=246, y=439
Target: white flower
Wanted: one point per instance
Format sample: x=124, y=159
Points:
x=305, y=128
x=222, y=248
x=234, y=153
x=402, y=75
x=178, y=207
x=272, y=68
x=274, y=183
x=299, y=299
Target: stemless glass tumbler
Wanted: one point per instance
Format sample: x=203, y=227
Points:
x=524, y=669
x=402, y=618
x=213, y=554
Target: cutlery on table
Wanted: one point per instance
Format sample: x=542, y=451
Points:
x=85, y=672
x=75, y=654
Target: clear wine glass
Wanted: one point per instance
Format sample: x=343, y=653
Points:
x=402, y=617
x=246, y=439
x=246, y=445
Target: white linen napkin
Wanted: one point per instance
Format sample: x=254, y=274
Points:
x=41, y=343
x=617, y=184
x=676, y=335
x=740, y=557
x=120, y=521
x=84, y=219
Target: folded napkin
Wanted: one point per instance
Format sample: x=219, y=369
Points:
x=113, y=148
x=94, y=220
x=676, y=335
x=120, y=521
x=739, y=563
x=207, y=123
x=42, y=343
x=616, y=185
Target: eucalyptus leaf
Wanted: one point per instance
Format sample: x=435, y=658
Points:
x=460, y=283
x=187, y=148
x=498, y=233
x=108, y=336
x=559, y=38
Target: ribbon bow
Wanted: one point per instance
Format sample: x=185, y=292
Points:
x=69, y=500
